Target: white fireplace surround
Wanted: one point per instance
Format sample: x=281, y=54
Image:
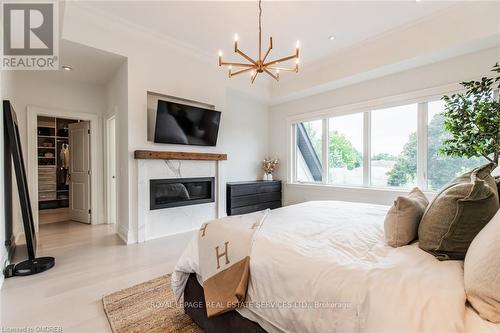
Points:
x=169, y=221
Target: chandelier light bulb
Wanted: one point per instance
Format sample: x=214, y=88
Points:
x=220, y=53
x=230, y=67
x=297, y=61
x=297, y=45
x=235, y=37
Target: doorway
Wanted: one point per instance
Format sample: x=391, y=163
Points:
x=63, y=168
x=111, y=169
x=88, y=161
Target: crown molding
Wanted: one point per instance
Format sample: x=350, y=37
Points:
x=329, y=73
x=107, y=21
x=390, y=69
x=324, y=61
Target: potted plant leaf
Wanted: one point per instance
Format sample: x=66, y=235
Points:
x=472, y=119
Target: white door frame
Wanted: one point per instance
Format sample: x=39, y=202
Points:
x=108, y=119
x=95, y=151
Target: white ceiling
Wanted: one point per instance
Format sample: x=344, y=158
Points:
x=89, y=65
x=210, y=26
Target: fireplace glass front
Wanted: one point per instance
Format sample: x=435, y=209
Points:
x=175, y=192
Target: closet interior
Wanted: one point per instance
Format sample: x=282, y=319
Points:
x=53, y=168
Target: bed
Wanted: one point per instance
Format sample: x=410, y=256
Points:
x=323, y=266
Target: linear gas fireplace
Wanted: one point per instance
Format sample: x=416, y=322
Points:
x=175, y=192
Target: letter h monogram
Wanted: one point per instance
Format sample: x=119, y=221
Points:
x=220, y=255
x=203, y=229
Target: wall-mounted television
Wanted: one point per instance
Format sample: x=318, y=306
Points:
x=184, y=124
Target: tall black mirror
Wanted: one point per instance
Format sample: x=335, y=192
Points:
x=13, y=150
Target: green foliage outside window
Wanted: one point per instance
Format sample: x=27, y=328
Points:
x=466, y=133
x=342, y=153
x=439, y=168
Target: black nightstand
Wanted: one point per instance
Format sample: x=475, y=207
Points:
x=252, y=196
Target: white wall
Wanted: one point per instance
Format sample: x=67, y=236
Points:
x=471, y=66
x=117, y=102
x=47, y=90
x=243, y=135
x=159, y=66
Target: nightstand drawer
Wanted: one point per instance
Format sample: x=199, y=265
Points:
x=255, y=208
x=252, y=196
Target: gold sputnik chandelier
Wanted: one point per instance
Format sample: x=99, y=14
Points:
x=261, y=65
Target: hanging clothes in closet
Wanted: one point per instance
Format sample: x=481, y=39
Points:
x=64, y=162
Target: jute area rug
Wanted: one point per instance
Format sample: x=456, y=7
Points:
x=147, y=307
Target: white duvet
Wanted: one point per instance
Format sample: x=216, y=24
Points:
x=323, y=267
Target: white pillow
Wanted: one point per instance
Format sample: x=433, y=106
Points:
x=482, y=271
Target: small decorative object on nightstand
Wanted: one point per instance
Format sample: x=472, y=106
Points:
x=269, y=165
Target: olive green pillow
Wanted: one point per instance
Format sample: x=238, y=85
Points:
x=402, y=219
x=457, y=214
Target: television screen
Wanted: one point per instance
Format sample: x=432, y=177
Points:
x=186, y=125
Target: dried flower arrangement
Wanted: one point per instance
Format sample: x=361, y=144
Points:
x=269, y=165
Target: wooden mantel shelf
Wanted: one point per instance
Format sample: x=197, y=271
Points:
x=177, y=155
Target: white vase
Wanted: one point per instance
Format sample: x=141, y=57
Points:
x=270, y=176
x=265, y=176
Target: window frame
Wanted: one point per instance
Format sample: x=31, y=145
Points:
x=421, y=98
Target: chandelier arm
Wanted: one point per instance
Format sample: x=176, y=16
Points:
x=245, y=56
x=280, y=60
x=242, y=71
x=276, y=77
x=255, y=76
x=294, y=69
x=236, y=64
x=269, y=49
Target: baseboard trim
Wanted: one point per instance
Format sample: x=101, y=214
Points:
x=122, y=232
x=188, y=231
x=6, y=260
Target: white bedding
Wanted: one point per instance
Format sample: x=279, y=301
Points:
x=323, y=267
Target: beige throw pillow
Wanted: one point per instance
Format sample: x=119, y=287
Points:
x=402, y=220
x=458, y=213
x=482, y=271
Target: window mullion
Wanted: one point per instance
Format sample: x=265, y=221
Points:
x=293, y=152
x=324, y=153
x=422, y=145
x=366, y=148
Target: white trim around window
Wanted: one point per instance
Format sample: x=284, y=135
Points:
x=421, y=97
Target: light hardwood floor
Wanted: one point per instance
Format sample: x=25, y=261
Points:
x=91, y=261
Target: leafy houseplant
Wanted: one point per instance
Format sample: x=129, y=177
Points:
x=473, y=120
